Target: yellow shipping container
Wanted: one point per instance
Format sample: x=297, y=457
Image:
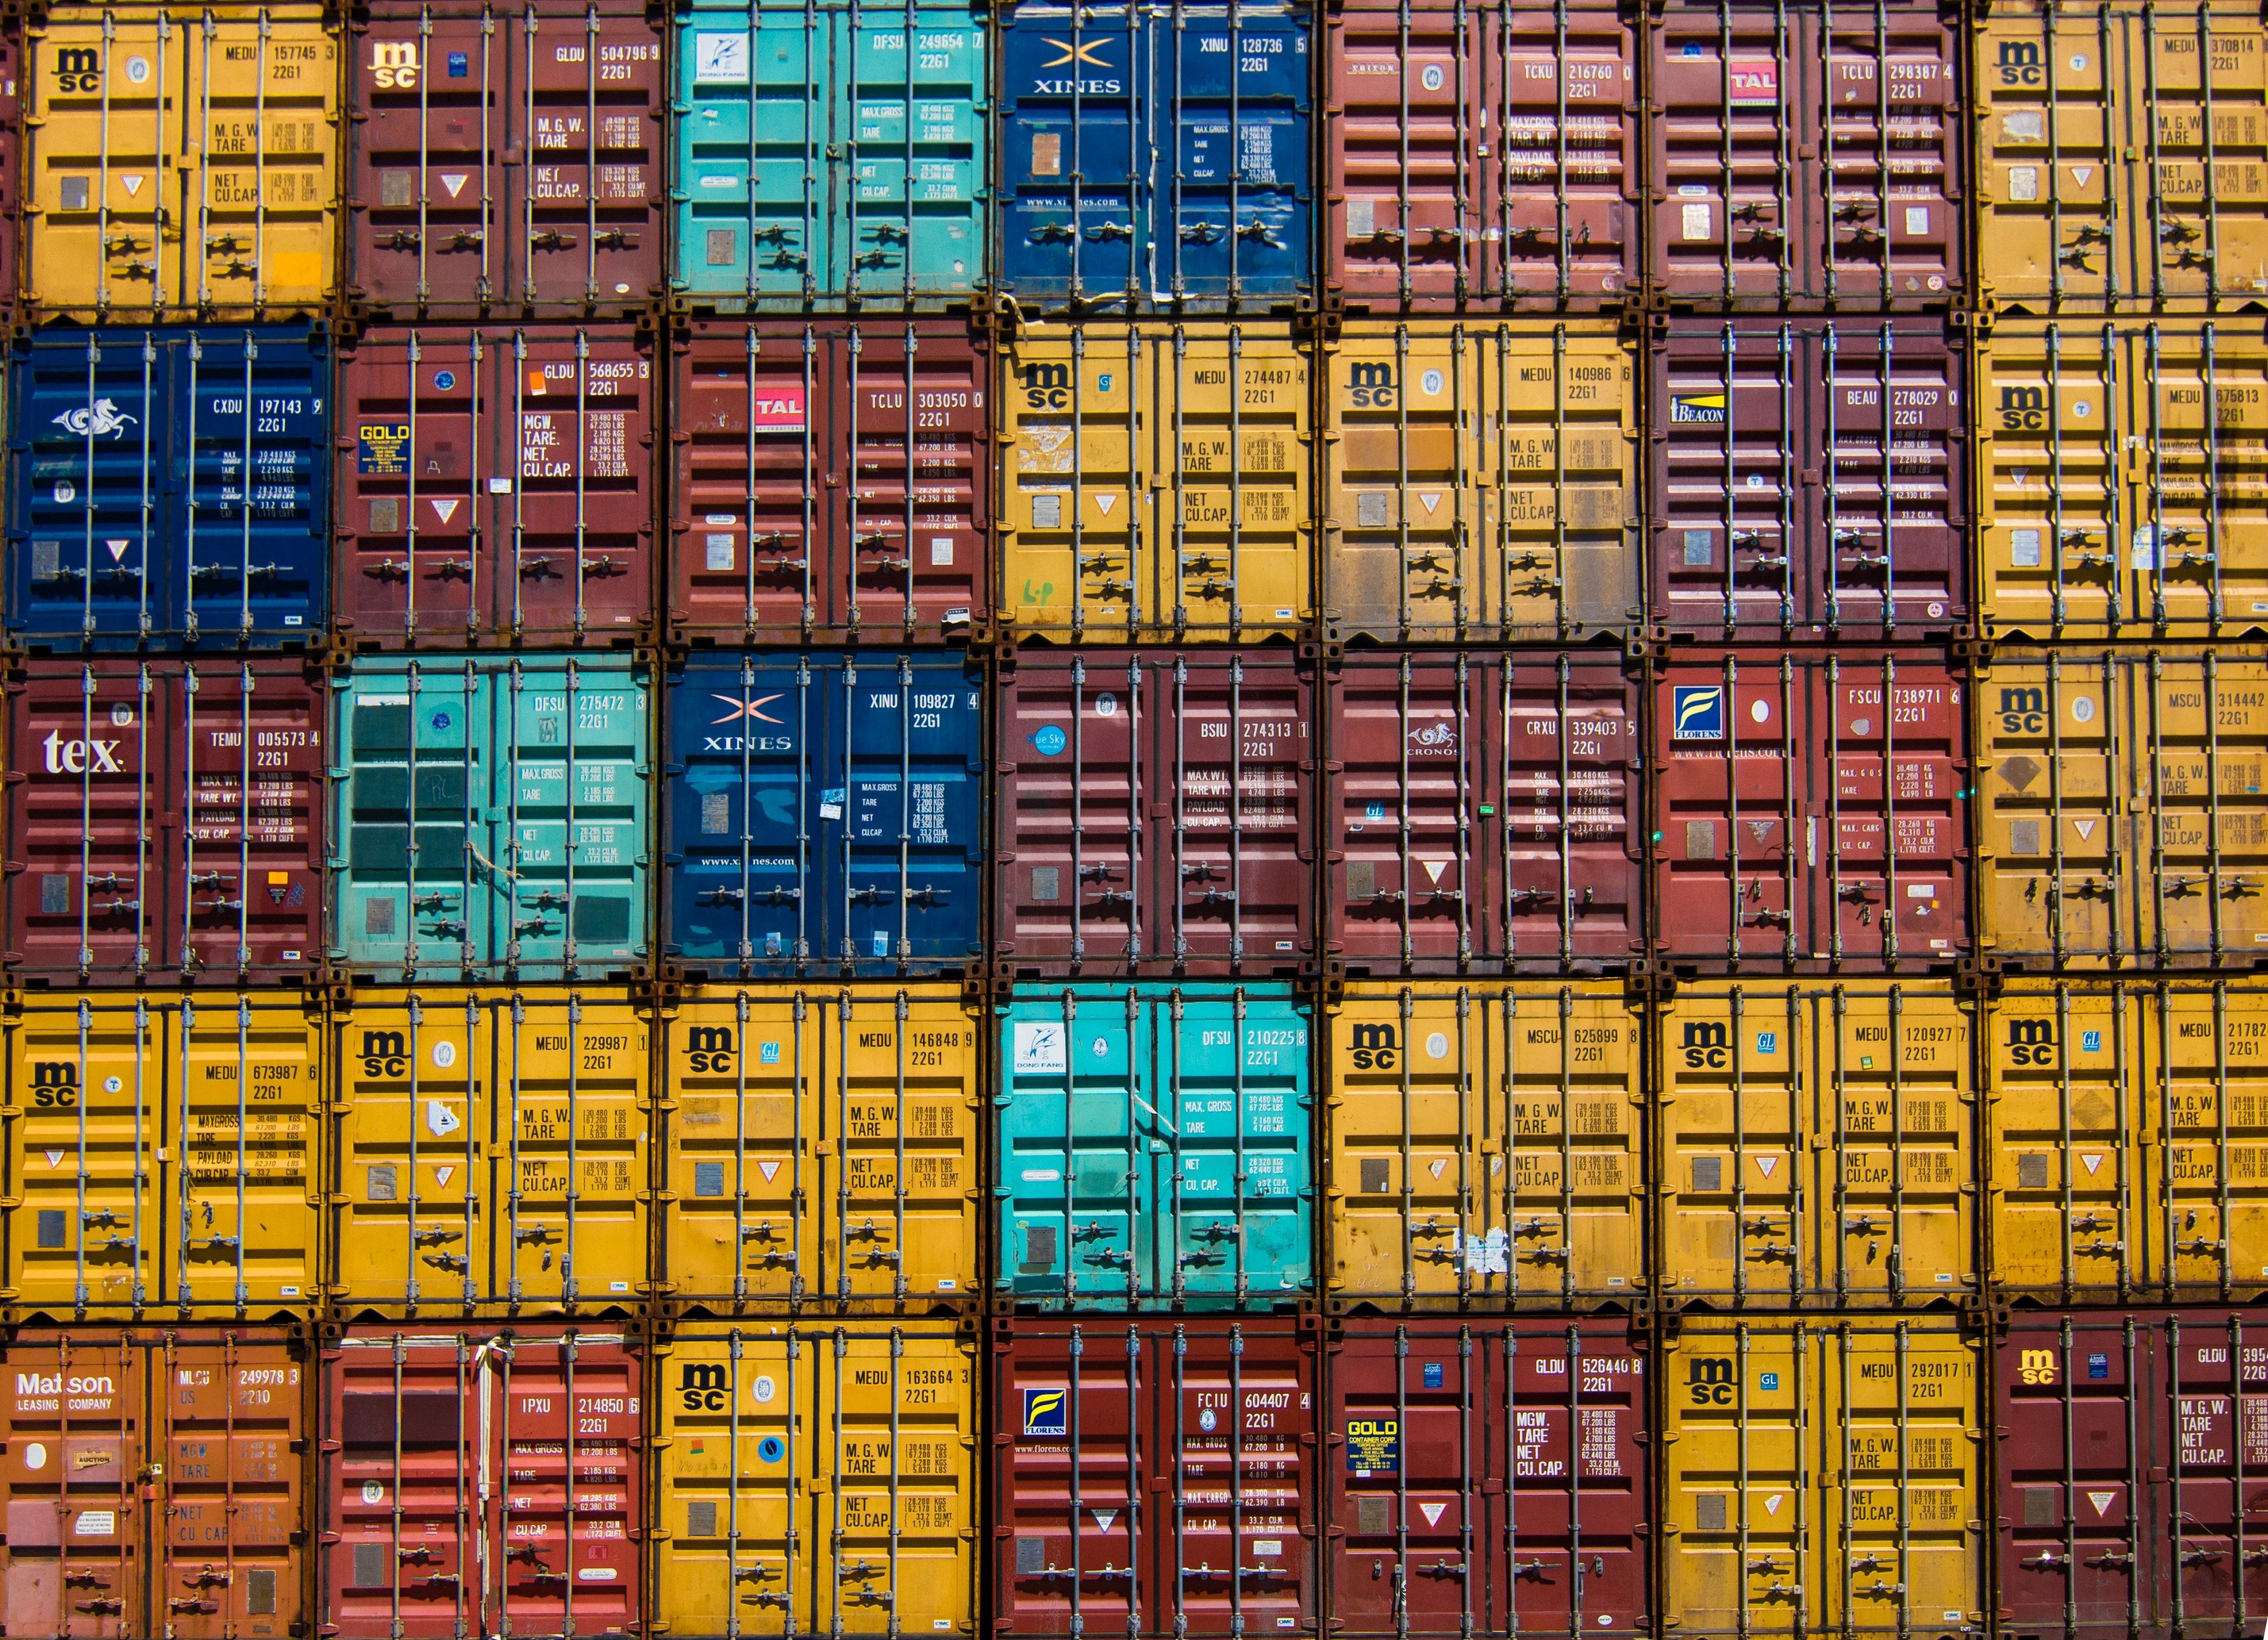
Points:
x=161, y=1153
x=814, y=1480
x=1824, y=1477
x=490, y=1152
x=181, y=162
x=822, y=1147
x=1156, y=482
x=2123, y=151
x=1486, y=1146
x=1816, y=1145
x=1480, y=481
x=2112, y=503
x=2122, y=821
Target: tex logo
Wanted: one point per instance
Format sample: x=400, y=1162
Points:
x=1697, y=711
x=1047, y=1412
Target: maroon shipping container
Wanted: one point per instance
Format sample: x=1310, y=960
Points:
x=1806, y=155
x=1483, y=156
x=482, y=1481
x=1810, y=479
x=1488, y=1479
x=1155, y=1477
x=505, y=158
x=165, y=820
x=832, y=481
x=1484, y=813
x=497, y=485
x=1793, y=811
x=2132, y=1473
x=153, y=1484
x=1155, y=813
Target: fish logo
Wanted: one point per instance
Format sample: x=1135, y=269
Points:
x=737, y=709
x=1697, y=712
x=104, y=420
x=1047, y=1412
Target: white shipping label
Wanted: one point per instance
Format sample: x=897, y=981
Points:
x=941, y=550
x=2024, y=183
x=1917, y=221
x=1040, y=1045
x=2024, y=548
x=720, y=551
x=1489, y=1254
x=1697, y=221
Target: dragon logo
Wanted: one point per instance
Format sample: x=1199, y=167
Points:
x=106, y=420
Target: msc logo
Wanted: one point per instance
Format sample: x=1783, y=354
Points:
x=2036, y=1366
x=1697, y=410
x=705, y=1386
x=2031, y=1042
x=2024, y=409
x=78, y=70
x=711, y=1046
x=2020, y=63
x=1047, y=1412
x=55, y=1084
x=384, y=1053
x=2024, y=711
x=1047, y=386
x=1707, y=1046
x=1697, y=711
x=1371, y=386
x=393, y=63
x=1710, y=1383
x=1375, y=1047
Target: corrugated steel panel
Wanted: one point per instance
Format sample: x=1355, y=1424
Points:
x=824, y=814
x=12, y=164
x=1155, y=483
x=2208, y=1233
x=1817, y=1147
x=1484, y=1147
x=1153, y=1147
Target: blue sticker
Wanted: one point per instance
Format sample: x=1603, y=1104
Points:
x=1768, y=1381
x=445, y=380
x=2098, y=1365
x=441, y=720
x=1047, y=1412
x=459, y=65
x=1698, y=711
x=769, y=1053
x=882, y=942
x=2090, y=1041
x=1432, y=1375
x=771, y=1449
x=1373, y=812
x=1768, y=1042
x=1048, y=740
x=1102, y=382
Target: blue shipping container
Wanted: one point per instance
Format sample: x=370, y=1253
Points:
x=824, y=815
x=1155, y=154
x=132, y=456
x=1155, y=1148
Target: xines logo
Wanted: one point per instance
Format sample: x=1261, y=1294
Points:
x=738, y=710
x=1076, y=56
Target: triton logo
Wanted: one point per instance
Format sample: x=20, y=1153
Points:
x=1047, y=1412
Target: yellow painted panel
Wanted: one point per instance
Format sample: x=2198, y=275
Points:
x=2208, y=1055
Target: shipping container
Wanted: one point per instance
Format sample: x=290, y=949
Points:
x=1806, y=156
x=1155, y=484
x=1176, y=177
x=2120, y=147
x=1484, y=1147
x=488, y=1152
x=822, y=1149
x=155, y=1482
x=1155, y=813
x=834, y=482
x=824, y=814
x=2111, y=502
x=1810, y=479
x=481, y=1481
x=830, y=156
x=1484, y=813
x=1818, y=1146
x=1825, y=1477
x=1481, y=158
x=2130, y=1473
x=128, y=526
x=838, y=1495
x=1181, y=1176
x=1812, y=813
x=1480, y=481
x=11, y=164
x=504, y=158
x=1156, y=1477
x=163, y=1156
x=165, y=821
x=181, y=163
x=488, y=818
x=1497, y=1479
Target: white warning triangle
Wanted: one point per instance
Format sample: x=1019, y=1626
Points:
x=2090, y=1163
x=1432, y=1512
x=1766, y=1164
x=1771, y=1504
x=2082, y=174
x=2085, y=828
x=441, y=1175
x=1106, y=502
x=132, y=182
x=454, y=184
x=769, y=1170
x=1429, y=499
x=1440, y=1162
x=1435, y=868
x=445, y=510
x=1103, y=1517
x=2102, y=1501
x=2022, y=474
x=54, y=1158
x=118, y=546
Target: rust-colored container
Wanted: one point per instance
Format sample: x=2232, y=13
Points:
x=833, y=479
x=1156, y=1476
x=1811, y=812
x=505, y=158
x=1809, y=479
x=1805, y=156
x=482, y=1481
x=1155, y=813
x=1481, y=158
x=2131, y=1466
x=165, y=821
x=497, y=484
x=154, y=1483
x=1488, y=1478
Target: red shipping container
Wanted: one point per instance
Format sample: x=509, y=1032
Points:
x=481, y=1481
x=1483, y=812
x=505, y=158
x=1810, y=479
x=165, y=820
x=1812, y=812
x=1154, y=813
x=1488, y=1478
x=497, y=485
x=1806, y=155
x=1482, y=157
x=833, y=480
x=2131, y=1457
x=1155, y=1476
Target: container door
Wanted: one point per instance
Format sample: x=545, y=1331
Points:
x=1075, y=219
x=252, y=779
x=918, y=433
x=755, y=177
x=912, y=183
x=430, y=95
x=2210, y=1242
x=2215, y=1384
x=586, y=206
x=234, y=1509
x=1073, y=1183
x=1076, y=540
x=79, y=1551
x=563, y=1423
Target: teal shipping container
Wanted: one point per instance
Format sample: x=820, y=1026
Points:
x=1155, y=1148
x=489, y=818
x=829, y=156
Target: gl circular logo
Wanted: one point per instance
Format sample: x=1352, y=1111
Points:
x=1430, y=78
x=1050, y=740
x=445, y=1055
x=1431, y=382
x=1205, y=1419
x=440, y=720
x=1105, y=706
x=445, y=380
x=137, y=68
x=771, y=1449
